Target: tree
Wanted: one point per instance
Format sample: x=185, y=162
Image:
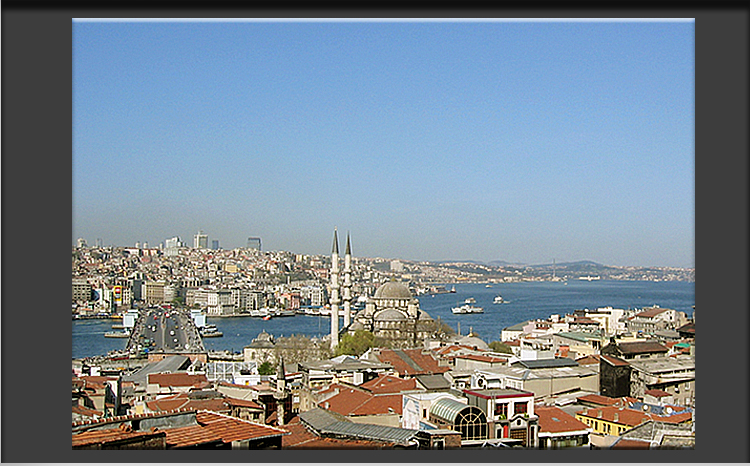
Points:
x=355, y=344
x=266, y=369
x=500, y=347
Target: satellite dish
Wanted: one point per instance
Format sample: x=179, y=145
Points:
x=669, y=410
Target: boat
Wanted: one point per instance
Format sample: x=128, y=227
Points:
x=209, y=331
x=589, y=278
x=467, y=309
x=498, y=300
x=117, y=335
x=268, y=317
x=470, y=301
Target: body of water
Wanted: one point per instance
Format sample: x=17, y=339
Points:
x=525, y=301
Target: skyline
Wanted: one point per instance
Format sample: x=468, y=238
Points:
x=520, y=141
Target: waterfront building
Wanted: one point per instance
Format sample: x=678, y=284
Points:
x=153, y=291
x=81, y=290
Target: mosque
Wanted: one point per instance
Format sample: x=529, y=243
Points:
x=392, y=313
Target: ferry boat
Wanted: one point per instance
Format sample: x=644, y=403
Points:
x=589, y=278
x=467, y=309
x=117, y=335
x=209, y=331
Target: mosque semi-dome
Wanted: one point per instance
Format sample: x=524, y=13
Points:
x=391, y=315
x=393, y=290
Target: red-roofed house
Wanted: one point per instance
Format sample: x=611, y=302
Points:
x=655, y=318
x=389, y=384
x=610, y=420
x=175, y=430
x=410, y=362
x=175, y=382
x=211, y=401
x=558, y=429
x=363, y=406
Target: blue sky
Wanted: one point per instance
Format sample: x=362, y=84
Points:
x=516, y=141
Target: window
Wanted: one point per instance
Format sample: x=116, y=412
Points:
x=472, y=424
x=501, y=410
x=520, y=408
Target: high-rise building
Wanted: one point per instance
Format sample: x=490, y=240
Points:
x=253, y=243
x=172, y=246
x=200, y=240
x=81, y=243
x=215, y=245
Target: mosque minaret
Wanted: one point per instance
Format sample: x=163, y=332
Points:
x=347, y=283
x=335, y=291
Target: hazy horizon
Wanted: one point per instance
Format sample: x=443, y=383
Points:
x=520, y=141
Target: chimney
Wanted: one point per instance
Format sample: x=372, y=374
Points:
x=599, y=414
x=617, y=417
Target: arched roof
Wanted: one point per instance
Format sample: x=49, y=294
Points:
x=393, y=290
x=448, y=409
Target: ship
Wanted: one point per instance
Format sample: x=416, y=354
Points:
x=498, y=300
x=470, y=301
x=209, y=331
x=117, y=334
x=589, y=278
x=467, y=309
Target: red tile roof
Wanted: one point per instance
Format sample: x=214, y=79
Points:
x=613, y=360
x=656, y=393
x=183, y=401
x=626, y=444
x=638, y=347
x=625, y=416
x=88, y=412
x=427, y=363
x=598, y=400
x=653, y=312
x=482, y=358
x=554, y=420
x=590, y=359
x=380, y=404
x=210, y=427
x=389, y=384
x=358, y=402
x=178, y=379
x=94, y=437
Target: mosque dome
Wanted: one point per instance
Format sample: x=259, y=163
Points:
x=390, y=315
x=393, y=290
